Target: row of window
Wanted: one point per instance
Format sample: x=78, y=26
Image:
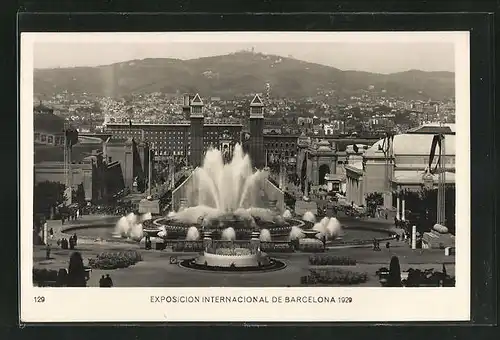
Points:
x=147, y=133
x=48, y=139
x=280, y=145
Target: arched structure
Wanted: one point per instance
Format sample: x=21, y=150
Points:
x=323, y=170
x=320, y=155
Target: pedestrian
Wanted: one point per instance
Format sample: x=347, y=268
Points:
x=102, y=281
x=77, y=213
x=109, y=281
x=47, y=252
x=75, y=238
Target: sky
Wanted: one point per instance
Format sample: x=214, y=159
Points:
x=378, y=57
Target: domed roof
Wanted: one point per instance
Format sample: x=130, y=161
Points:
x=324, y=142
x=412, y=144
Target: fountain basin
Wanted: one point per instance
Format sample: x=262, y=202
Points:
x=237, y=260
x=243, y=231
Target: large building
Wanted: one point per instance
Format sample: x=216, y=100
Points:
x=48, y=128
x=399, y=163
x=188, y=139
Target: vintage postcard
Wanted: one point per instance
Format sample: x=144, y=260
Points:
x=242, y=176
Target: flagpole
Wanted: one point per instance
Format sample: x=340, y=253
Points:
x=149, y=170
x=444, y=179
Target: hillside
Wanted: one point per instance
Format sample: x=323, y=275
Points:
x=236, y=74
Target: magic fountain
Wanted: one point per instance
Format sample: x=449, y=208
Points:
x=226, y=201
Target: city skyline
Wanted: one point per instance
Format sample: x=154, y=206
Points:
x=375, y=57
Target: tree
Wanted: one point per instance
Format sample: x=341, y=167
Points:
x=76, y=271
x=394, y=279
x=47, y=195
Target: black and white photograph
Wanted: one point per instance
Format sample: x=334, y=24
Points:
x=297, y=170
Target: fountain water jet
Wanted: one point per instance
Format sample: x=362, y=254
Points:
x=228, y=234
x=130, y=227
x=265, y=235
x=309, y=217
x=192, y=234
x=296, y=233
x=227, y=187
x=328, y=227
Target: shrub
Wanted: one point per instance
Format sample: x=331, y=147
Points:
x=330, y=260
x=334, y=276
x=49, y=277
x=76, y=271
x=114, y=260
x=394, y=279
x=428, y=277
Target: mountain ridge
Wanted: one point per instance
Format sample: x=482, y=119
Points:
x=236, y=74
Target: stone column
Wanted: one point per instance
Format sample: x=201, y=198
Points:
x=45, y=232
x=349, y=189
x=403, y=210
x=315, y=172
x=360, y=191
x=414, y=237
x=397, y=207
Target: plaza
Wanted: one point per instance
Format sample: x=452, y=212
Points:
x=155, y=270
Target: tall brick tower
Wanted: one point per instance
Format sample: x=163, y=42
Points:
x=197, y=119
x=186, y=107
x=256, y=144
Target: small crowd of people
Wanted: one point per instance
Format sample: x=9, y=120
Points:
x=71, y=215
x=64, y=243
x=106, y=281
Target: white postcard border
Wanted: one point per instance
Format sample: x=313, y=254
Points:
x=134, y=305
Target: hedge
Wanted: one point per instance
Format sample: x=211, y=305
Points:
x=114, y=260
x=334, y=276
x=331, y=260
x=50, y=277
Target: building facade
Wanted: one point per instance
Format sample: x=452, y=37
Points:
x=395, y=164
x=188, y=139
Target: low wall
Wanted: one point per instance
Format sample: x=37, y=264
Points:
x=214, y=260
x=274, y=193
x=184, y=191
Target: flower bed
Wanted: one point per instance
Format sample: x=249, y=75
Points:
x=334, y=276
x=330, y=260
x=114, y=260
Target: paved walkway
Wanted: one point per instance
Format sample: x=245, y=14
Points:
x=84, y=220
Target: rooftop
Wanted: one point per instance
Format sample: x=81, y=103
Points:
x=412, y=144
